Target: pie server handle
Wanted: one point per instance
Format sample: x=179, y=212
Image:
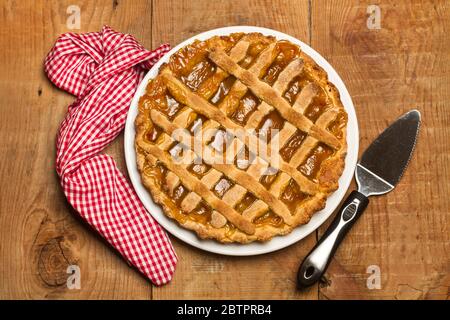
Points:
x=316, y=262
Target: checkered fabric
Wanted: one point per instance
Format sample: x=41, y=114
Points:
x=103, y=70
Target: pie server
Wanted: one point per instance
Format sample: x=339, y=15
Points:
x=378, y=171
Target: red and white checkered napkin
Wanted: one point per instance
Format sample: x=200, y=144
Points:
x=103, y=69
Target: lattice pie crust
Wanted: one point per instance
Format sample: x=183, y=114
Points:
x=241, y=81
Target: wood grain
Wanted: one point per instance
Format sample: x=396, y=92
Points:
x=40, y=235
x=403, y=65
x=387, y=71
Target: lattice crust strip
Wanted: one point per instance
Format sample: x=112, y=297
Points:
x=223, y=209
x=238, y=90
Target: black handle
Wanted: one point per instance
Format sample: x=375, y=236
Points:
x=316, y=262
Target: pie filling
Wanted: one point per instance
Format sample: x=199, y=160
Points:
x=194, y=68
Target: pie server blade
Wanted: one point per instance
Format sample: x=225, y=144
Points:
x=384, y=161
x=378, y=172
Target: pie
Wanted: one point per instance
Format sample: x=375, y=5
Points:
x=189, y=116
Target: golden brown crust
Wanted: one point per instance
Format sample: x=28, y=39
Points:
x=245, y=228
x=245, y=179
x=269, y=95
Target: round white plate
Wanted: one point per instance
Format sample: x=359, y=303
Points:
x=278, y=242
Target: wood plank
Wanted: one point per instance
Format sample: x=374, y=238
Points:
x=39, y=233
x=200, y=274
x=387, y=71
x=403, y=65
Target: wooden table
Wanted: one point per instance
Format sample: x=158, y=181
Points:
x=403, y=65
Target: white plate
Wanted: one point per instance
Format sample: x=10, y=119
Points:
x=278, y=242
